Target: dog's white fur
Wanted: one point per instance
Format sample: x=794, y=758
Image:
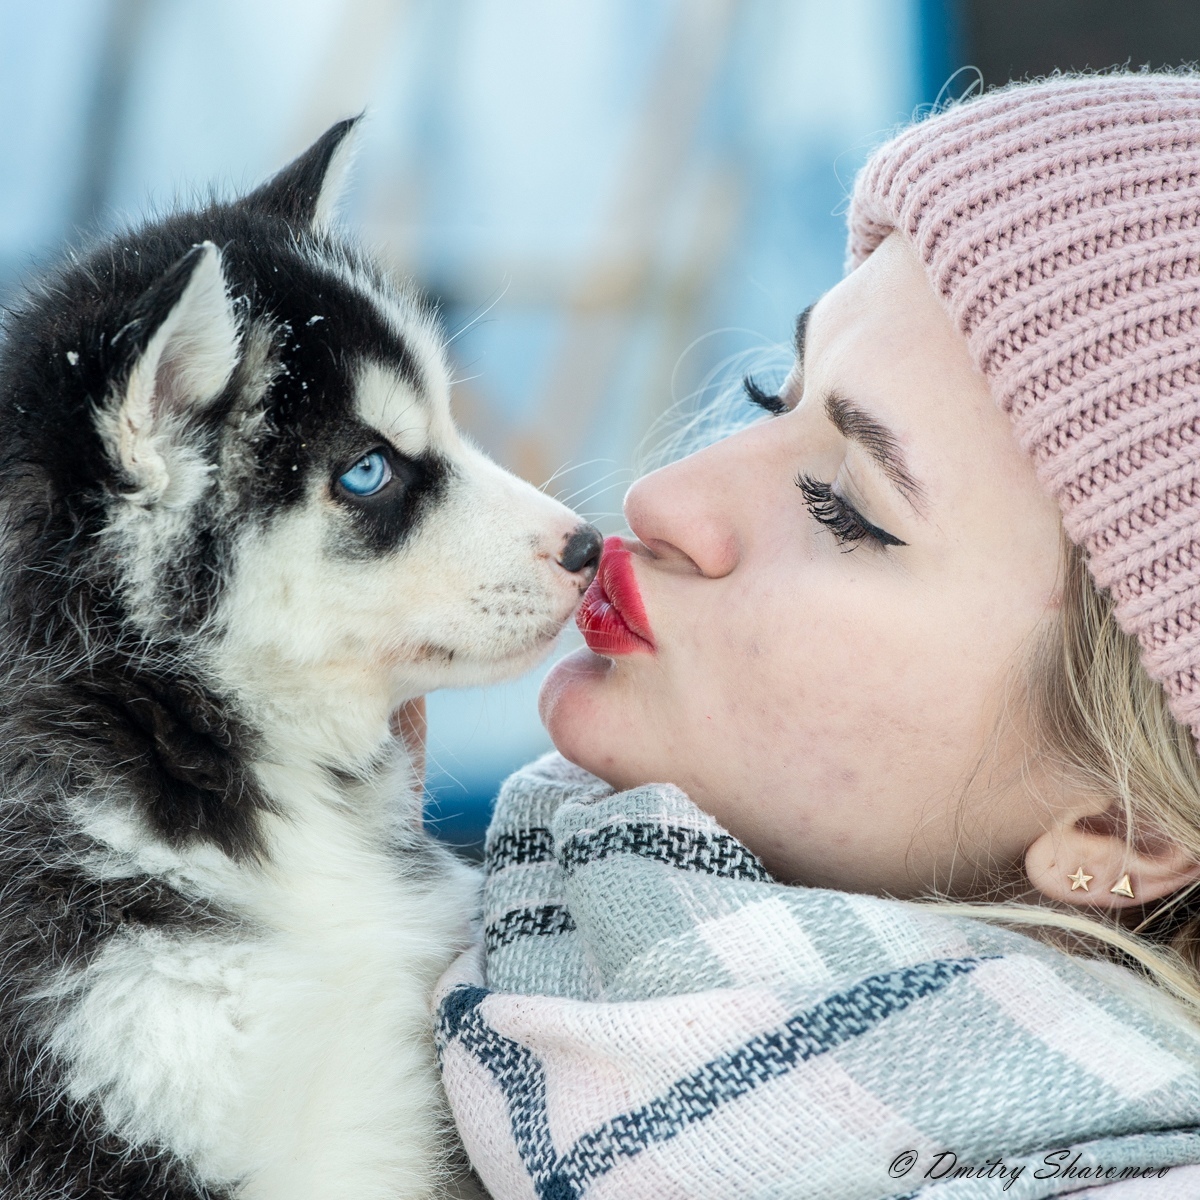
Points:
x=296, y=1062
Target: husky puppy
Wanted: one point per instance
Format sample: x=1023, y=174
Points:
x=239, y=530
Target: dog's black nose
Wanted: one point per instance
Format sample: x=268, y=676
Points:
x=582, y=551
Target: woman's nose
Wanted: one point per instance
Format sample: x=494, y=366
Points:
x=685, y=512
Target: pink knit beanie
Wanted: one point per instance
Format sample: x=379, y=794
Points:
x=1060, y=223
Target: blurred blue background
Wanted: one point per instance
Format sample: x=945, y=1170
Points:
x=618, y=203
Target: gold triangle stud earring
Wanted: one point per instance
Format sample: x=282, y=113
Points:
x=1122, y=887
x=1080, y=879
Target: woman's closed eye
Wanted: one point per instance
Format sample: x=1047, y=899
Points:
x=835, y=512
x=839, y=516
x=772, y=403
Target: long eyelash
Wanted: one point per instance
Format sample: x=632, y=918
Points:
x=839, y=516
x=773, y=404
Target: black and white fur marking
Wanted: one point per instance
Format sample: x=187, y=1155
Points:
x=219, y=915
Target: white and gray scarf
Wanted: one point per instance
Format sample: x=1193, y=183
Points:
x=651, y=1015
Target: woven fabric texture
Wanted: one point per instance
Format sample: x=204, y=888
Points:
x=1060, y=224
x=652, y=1017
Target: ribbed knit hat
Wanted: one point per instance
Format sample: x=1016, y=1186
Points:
x=1060, y=223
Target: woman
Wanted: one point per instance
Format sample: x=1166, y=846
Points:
x=874, y=650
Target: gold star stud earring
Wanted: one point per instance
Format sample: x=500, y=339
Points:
x=1122, y=887
x=1080, y=879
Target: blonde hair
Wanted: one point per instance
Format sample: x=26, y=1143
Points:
x=1098, y=718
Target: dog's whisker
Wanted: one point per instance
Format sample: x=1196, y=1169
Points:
x=611, y=479
x=479, y=315
x=568, y=467
x=586, y=495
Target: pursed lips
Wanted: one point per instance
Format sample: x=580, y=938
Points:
x=612, y=616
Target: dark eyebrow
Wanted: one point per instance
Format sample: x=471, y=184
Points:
x=800, y=334
x=877, y=440
x=857, y=426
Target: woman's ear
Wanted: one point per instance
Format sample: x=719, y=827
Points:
x=1088, y=861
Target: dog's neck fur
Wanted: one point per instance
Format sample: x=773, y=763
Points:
x=332, y=740
x=249, y=741
x=331, y=715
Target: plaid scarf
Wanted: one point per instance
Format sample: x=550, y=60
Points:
x=651, y=1015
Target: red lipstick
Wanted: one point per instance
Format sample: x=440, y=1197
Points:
x=612, y=617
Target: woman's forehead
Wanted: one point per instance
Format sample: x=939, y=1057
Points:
x=887, y=300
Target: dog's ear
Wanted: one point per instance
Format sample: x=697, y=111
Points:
x=186, y=349
x=305, y=193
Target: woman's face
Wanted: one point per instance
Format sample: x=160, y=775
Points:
x=841, y=598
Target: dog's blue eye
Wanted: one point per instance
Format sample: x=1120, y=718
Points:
x=369, y=475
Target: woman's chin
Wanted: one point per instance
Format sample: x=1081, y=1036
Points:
x=571, y=707
x=568, y=686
